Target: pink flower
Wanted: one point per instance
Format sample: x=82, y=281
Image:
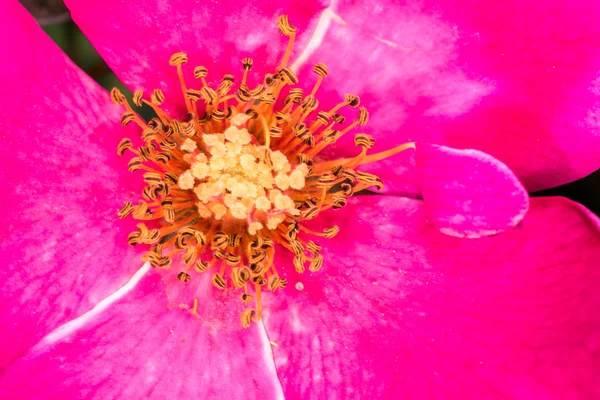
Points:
x=399, y=308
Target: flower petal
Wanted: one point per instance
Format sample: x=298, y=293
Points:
x=139, y=348
x=62, y=247
x=469, y=193
x=520, y=82
x=137, y=39
x=400, y=310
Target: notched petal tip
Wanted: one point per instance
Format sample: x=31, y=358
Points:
x=468, y=192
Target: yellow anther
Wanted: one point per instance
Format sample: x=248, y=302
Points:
x=178, y=59
x=284, y=25
x=116, y=96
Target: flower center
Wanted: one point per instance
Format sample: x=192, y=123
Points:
x=240, y=175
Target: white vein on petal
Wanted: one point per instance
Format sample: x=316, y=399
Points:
x=72, y=326
x=270, y=359
x=325, y=20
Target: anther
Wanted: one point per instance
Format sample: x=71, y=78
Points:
x=323, y=117
x=134, y=164
x=242, y=94
x=127, y=117
x=201, y=266
x=200, y=72
x=339, y=118
x=274, y=283
x=220, y=240
x=370, y=180
x=152, y=178
x=299, y=261
x=364, y=140
x=313, y=247
x=126, y=210
x=352, y=100
x=246, y=317
x=288, y=76
x=232, y=260
x=295, y=95
x=178, y=59
x=363, y=117
x=301, y=131
x=247, y=63
x=235, y=240
x=282, y=118
x=157, y=97
x=137, y=97
x=190, y=255
x=141, y=211
x=163, y=158
x=193, y=94
x=124, y=144
x=240, y=276
x=338, y=170
x=116, y=96
x=284, y=25
x=321, y=69
x=209, y=95
x=347, y=189
x=339, y=202
x=218, y=281
x=259, y=280
x=297, y=248
x=310, y=103
x=316, y=263
x=331, y=232
x=257, y=91
x=276, y=131
x=183, y=277
x=267, y=98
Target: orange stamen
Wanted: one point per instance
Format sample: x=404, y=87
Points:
x=232, y=182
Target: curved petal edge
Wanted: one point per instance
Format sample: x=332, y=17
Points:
x=469, y=193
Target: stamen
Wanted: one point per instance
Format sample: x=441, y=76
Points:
x=229, y=182
x=287, y=30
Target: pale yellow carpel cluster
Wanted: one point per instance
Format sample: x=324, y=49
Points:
x=236, y=179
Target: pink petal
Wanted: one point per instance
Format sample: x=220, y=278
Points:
x=520, y=81
x=140, y=349
x=400, y=310
x=62, y=247
x=469, y=193
x=138, y=39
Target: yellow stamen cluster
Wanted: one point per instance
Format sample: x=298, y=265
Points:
x=239, y=175
x=240, y=179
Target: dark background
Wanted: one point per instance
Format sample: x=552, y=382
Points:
x=54, y=18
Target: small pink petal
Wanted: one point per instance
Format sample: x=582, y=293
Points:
x=63, y=248
x=469, y=193
x=519, y=81
x=139, y=348
x=137, y=39
x=400, y=310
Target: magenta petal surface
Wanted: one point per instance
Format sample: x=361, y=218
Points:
x=469, y=193
x=62, y=247
x=140, y=349
x=518, y=80
x=138, y=38
x=400, y=310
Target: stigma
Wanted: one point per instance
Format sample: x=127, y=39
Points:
x=236, y=180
